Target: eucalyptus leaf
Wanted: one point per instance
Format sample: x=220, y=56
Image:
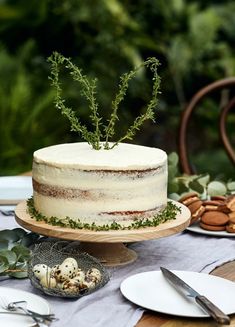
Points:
x=173, y=187
x=9, y=235
x=4, y=265
x=10, y=256
x=182, y=187
x=231, y=186
x=4, y=245
x=174, y=196
x=203, y=179
x=14, y=254
x=21, y=252
x=20, y=232
x=173, y=159
x=202, y=184
x=216, y=188
x=29, y=239
x=196, y=186
x=172, y=172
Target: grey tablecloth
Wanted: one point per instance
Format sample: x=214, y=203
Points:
x=107, y=307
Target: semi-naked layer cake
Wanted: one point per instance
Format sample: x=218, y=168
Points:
x=122, y=185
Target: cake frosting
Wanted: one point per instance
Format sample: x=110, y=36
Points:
x=124, y=184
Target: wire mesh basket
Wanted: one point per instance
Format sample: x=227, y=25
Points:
x=45, y=268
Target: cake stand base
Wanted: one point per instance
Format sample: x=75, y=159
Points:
x=110, y=254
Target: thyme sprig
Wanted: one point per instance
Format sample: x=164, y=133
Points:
x=152, y=63
x=88, y=91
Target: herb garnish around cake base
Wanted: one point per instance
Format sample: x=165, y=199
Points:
x=169, y=213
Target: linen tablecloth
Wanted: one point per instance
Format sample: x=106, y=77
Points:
x=107, y=307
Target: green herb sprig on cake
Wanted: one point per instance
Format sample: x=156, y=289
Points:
x=88, y=91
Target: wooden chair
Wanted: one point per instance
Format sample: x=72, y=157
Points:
x=224, y=85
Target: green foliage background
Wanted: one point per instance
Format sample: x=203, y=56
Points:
x=194, y=41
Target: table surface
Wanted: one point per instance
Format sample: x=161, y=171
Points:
x=152, y=319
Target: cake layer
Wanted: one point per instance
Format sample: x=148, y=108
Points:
x=122, y=189
x=84, y=213
x=82, y=155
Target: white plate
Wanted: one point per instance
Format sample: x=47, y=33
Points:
x=14, y=189
x=6, y=208
x=151, y=290
x=35, y=303
x=197, y=229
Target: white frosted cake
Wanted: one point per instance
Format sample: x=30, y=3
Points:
x=122, y=185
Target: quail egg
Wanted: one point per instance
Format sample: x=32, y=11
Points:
x=86, y=285
x=80, y=275
x=72, y=261
x=41, y=270
x=93, y=274
x=71, y=286
x=64, y=271
x=48, y=282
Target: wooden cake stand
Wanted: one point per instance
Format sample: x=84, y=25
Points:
x=107, y=246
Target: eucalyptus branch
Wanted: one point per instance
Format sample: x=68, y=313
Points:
x=88, y=90
x=152, y=63
x=15, y=270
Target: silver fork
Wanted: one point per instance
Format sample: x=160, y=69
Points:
x=37, y=317
x=13, y=306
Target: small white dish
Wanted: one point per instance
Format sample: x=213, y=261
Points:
x=14, y=189
x=34, y=302
x=152, y=291
x=195, y=228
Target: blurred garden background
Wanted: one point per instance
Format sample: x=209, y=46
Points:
x=193, y=40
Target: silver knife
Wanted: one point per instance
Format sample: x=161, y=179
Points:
x=188, y=291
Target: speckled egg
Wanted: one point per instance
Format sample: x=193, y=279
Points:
x=41, y=270
x=65, y=271
x=48, y=282
x=93, y=274
x=53, y=269
x=72, y=261
x=80, y=275
x=71, y=286
x=86, y=285
x=59, y=286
